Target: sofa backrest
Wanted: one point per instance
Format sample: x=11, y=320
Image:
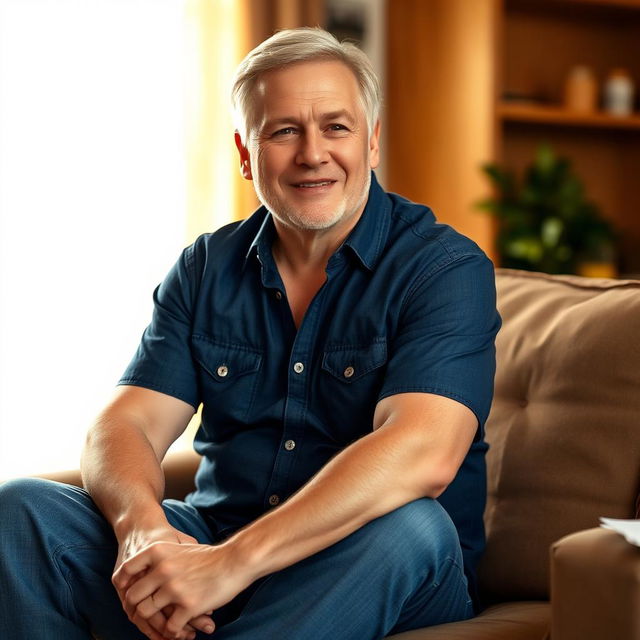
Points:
x=564, y=429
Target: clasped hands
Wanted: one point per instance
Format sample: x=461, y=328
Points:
x=170, y=585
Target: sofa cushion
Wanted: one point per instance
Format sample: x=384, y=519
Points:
x=509, y=621
x=564, y=429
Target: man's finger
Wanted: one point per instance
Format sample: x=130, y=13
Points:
x=142, y=596
x=120, y=581
x=178, y=621
x=148, y=630
x=156, y=626
x=150, y=605
x=130, y=581
x=203, y=623
x=131, y=568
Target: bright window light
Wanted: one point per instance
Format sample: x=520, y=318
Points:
x=92, y=208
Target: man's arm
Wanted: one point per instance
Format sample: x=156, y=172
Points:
x=124, y=448
x=418, y=443
x=121, y=471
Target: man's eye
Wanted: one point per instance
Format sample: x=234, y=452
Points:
x=337, y=127
x=284, y=132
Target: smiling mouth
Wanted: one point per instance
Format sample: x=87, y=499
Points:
x=314, y=184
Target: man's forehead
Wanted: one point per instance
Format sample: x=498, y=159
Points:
x=327, y=86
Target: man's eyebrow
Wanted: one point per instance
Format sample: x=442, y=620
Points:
x=330, y=115
x=338, y=115
x=274, y=122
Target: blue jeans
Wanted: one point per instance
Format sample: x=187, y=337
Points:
x=401, y=571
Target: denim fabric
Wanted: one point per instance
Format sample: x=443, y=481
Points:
x=401, y=571
x=408, y=306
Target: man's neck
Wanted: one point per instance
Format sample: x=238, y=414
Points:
x=301, y=257
x=304, y=251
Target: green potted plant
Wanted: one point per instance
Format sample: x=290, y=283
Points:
x=545, y=221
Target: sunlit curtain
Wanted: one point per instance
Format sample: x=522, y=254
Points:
x=219, y=34
x=265, y=17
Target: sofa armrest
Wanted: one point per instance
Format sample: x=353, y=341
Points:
x=179, y=471
x=71, y=476
x=595, y=587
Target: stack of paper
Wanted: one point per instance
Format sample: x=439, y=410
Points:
x=630, y=529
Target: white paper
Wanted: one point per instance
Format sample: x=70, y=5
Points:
x=630, y=529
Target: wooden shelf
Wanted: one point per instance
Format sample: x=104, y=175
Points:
x=531, y=113
x=578, y=5
x=624, y=4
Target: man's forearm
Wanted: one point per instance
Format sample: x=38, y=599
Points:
x=122, y=473
x=417, y=446
x=121, y=459
x=370, y=478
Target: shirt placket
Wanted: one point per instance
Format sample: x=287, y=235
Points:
x=298, y=380
x=295, y=408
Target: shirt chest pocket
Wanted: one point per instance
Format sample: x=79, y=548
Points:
x=352, y=377
x=228, y=376
x=350, y=363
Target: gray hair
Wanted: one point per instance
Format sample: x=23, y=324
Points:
x=289, y=47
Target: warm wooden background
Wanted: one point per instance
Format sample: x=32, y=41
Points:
x=449, y=64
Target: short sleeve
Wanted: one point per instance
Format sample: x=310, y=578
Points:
x=163, y=360
x=445, y=342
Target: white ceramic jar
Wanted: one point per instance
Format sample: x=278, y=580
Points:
x=619, y=93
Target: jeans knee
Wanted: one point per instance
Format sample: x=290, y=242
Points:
x=33, y=500
x=16, y=494
x=419, y=532
x=20, y=504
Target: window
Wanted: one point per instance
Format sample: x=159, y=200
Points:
x=92, y=207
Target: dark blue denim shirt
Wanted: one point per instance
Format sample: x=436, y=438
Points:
x=408, y=306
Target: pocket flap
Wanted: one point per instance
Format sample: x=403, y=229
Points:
x=348, y=362
x=224, y=361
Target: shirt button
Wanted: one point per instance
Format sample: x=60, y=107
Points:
x=298, y=367
x=223, y=370
x=278, y=295
x=289, y=445
x=274, y=500
x=348, y=372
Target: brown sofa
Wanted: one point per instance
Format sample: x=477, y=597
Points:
x=564, y=432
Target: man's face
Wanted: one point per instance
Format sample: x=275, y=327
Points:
x=309, y=151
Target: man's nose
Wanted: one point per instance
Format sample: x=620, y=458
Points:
x=312, y=150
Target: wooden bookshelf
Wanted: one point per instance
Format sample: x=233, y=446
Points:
x=453, y=69
x=562, y=117
x=604, y=150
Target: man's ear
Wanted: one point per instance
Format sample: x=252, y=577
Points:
x=374, y=146
x=245, y=162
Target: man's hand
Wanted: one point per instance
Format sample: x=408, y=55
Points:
x=154, y=626
x=170, y=586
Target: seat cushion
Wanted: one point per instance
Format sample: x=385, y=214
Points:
x=564, y=429
x=512, y=621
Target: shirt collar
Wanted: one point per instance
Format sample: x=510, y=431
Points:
x=367, y=239
x=369, y=236
x=266, y=235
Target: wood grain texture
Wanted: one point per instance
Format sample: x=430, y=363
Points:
x=442, y=78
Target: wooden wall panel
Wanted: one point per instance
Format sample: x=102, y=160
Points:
x=441, y=84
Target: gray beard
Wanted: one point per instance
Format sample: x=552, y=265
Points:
x=291, y=217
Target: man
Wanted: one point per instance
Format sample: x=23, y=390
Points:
x=342, y=345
